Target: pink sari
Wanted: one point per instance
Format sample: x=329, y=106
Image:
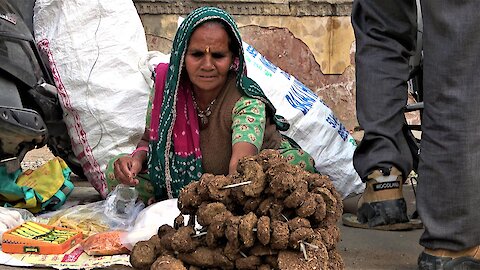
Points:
x=186, y=135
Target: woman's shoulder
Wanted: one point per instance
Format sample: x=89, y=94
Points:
x=250, y=101
x=246, y=103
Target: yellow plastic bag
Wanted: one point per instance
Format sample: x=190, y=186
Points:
x=46, y=188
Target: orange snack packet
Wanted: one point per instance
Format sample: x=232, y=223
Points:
x=104, y=243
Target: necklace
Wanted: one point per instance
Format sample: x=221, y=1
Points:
x=203, y=114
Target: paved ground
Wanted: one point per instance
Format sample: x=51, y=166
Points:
x=372, y=249
x=361, y=249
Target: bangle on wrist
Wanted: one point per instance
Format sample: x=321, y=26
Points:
x=141, y=148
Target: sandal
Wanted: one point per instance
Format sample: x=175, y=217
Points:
x=350, y=220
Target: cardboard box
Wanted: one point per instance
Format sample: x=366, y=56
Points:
x=32, y=237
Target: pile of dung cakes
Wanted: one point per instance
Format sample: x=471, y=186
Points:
x=270, y=215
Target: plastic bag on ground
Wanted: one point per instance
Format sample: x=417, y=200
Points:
x=9, y=218
x=100, y=216
x=105, y=243
x=149, y=220
x=87, y=218
x=121, y=207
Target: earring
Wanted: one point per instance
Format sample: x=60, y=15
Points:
x=235, y=64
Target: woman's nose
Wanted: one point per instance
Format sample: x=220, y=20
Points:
x=208, y=62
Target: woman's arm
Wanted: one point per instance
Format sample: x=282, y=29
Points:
x=126, y=168
x=239, y=150
x=248, y=128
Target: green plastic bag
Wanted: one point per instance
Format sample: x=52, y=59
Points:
x=46, y=188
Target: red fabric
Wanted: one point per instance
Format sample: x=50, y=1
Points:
x=186, y=135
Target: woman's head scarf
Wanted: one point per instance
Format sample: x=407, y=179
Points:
x=174, y=154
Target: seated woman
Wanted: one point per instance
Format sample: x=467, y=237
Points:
x=205, y=115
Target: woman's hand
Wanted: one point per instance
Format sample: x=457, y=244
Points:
x=126, y=169
x=240, y=150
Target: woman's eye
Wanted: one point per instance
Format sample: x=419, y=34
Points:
x=218, y=55
x=197, y=54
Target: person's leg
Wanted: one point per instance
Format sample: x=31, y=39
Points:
x=449, y=171
x=385, y=33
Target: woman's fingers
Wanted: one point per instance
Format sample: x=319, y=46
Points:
x=136, y=167
x=125, y=170
x=119, y=175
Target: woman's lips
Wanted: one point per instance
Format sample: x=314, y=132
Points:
x=207, y=77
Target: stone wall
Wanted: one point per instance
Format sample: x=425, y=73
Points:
x=311, y=39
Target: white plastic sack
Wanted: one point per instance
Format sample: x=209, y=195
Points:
x=313, y=124
x=150, y=219
x=94, y=49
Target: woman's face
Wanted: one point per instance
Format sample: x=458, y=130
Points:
x=208, y=57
